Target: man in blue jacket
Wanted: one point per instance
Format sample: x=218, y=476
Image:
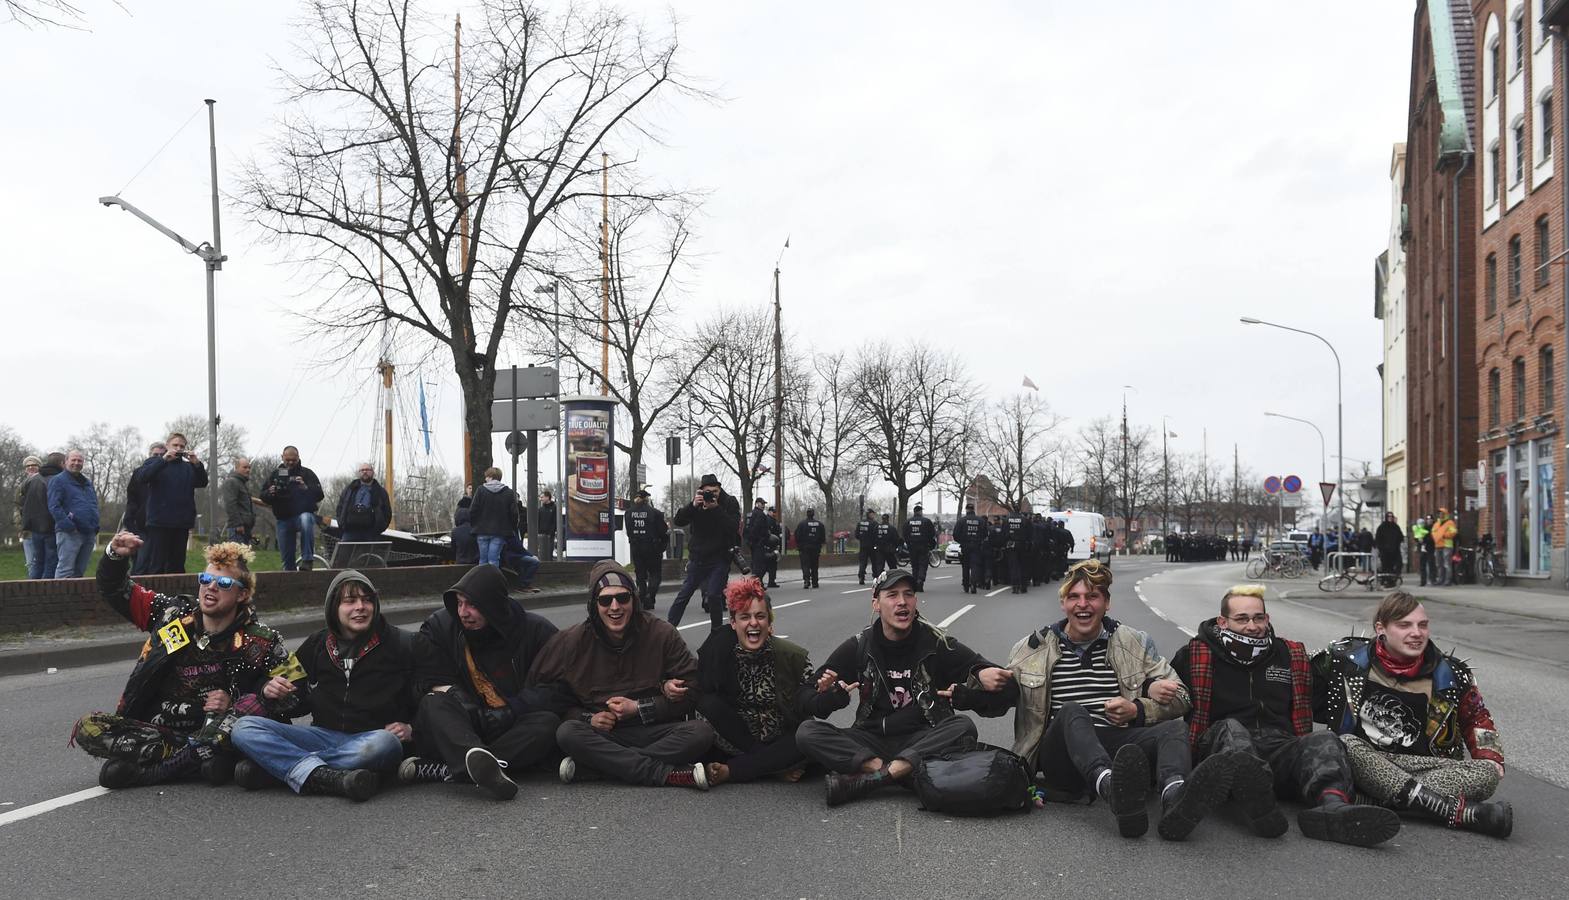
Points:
x=293, y=493
x=74, y=505
x=170, y=482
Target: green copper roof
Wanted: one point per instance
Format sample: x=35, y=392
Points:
x=1453, y=136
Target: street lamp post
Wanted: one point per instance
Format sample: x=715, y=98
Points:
x=554, y=290
x=212, y=259
x=1165, y=468
x=1322, y=465
x=1340, y=409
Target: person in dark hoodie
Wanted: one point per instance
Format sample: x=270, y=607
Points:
x=362, y=673
x=494, y=516
x=1251, y=699
x=712, y=521
x=627, y=676
x=37, y=521
x=364, y=509
x=134, y=518
x=756, y=689
x=171, y=481
x=478, y=717
x=465, y=549
x=904, y=672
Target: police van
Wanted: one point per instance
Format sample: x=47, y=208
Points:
x=1090, y=536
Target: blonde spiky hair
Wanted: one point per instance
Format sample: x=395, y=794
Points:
x=232, y=555
x=1240, y=590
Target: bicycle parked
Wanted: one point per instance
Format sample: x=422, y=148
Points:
x=1490, y=565
x=1276, y=563
x=1341, y=579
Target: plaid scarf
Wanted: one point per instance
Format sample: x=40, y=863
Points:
x=1201, y=688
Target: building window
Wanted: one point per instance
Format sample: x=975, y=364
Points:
x=1492, y=174
x=1544, y=378
x=1514, y=268
x=1519, y=388
x=1495, y=65
x=1519, y=136
x=1543, y=250
x=1490, y=295
x=1545, y=139
x=1519, y=34
x=1494, y=398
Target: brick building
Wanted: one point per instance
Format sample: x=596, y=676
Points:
x=1440, y=192
x=1520, y=289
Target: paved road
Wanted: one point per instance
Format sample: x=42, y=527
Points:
x=764, y=840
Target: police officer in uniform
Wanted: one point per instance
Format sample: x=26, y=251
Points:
x=773, y=547
x=647, y=535
x=1040, y=549
x=920, y=536
x=1017, y=549
x=810, y=535
x=970, y=532
x=866, y=537
x=997, y=558
x=887, y=546
x=756, y=536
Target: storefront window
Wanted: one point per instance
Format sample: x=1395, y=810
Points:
x=1520, y=510
x=1498, y=504
x=1545, y=483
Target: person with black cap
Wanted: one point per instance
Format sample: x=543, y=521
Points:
x=362, y=670
x=970, y=532
x=903, y=671
x=920, y=536
x=810, y=535
x=647, y=535
x=756, y=536
x=712, y=522
x=478, y=717
x=625, y=676
x=866, y=538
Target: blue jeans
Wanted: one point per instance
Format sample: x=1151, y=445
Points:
x=291, y=752
x=73, y=551
x=301, y=528
x=490, y=549
x=710, y=577
x=237, y=534
x=42, y=562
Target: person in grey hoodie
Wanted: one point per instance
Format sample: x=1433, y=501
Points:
x=493, y=516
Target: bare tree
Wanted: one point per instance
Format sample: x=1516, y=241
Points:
x=374, y=164
x=819, y=437
x=910, y=403
x=1099, y=445
x=733, y=393
x=44, y=13
x=1017, y=442
x=964, y=462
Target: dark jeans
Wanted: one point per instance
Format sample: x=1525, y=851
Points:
x=756, y=758
x=636, y=754
x=443, y=729
x=1304, y=767
x=866, y=555
x=972, y=563
x=710, y=578
x=547, y=546
x=44, y=560
x=648, y=561
x=1018, y=569
x=1389, y=562
x=1074, y=751
x=919, y=561
x=163, y=550
x=809, y=558
x=846, y=750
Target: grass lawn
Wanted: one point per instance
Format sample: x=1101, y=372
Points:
x=12, y=567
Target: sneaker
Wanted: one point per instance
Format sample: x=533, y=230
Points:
x=252, y=777
x=1184, y=806
x=1253, y=787
x=415, y=770
x=688, y=776
x=487, y=771
x=358, y=785
x=1128, y=792
x=567, y=770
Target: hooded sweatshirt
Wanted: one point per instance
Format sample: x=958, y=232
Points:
x=585, y=664
x=365, y=684
x=1253, y=688
x=494, y=512
x=490, y=663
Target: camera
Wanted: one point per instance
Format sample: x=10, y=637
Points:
x=182, y=454
x=739, y=558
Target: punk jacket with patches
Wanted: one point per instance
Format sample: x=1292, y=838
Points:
x=170, y=676
x=1436, y=712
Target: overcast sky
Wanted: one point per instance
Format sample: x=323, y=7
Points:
x=1086, y=194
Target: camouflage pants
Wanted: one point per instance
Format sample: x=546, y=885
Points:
x=109, y=736
x=1381, y=775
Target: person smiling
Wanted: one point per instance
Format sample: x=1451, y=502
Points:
x=1418, y=734
x=755, y=688
x=207, y=662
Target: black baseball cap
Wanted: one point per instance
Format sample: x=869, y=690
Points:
x=890, y=578
x=641, y=493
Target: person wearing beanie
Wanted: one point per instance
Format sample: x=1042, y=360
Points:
x=362, y=676
x=479, y=719
x=627, y=677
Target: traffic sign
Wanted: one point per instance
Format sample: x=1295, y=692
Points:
x=1291, y=484
x=1328, y=489
x=524, y=382
x=1291, y=501
x=1272, y=484
x=531, y=415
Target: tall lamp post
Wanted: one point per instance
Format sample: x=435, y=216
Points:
x=1323, y=452
x=1165, y=468
x=1340, y=409
x=212, y=259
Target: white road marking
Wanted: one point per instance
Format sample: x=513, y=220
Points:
x=693, y=625
x=779, y=606
x=36, y=809
x=856, y=591
x=951, y=619
x=940, y=577
x=996, y=592
x=1187, y=631
x=1156, y=611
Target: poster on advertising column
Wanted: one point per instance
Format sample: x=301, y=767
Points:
x=589, y=469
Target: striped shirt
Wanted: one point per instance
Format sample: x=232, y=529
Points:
x=1087, y=680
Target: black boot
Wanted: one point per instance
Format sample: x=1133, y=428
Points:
x=1126, y=790
x=844, y=788
x=219, y=770
x=1494, y=818
x=356, y=784
x=1184, y=804
x=251, y=776
x=1344, y=823
x=1253, y=788
x=119, y=773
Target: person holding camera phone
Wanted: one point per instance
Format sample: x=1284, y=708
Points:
x=364, y=509
x=293, y=493
x=170, y=481
x=713, y=523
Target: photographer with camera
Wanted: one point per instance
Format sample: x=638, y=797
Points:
x=292, y=493
x=364, y=509
x=713, y=524
x=170, y=482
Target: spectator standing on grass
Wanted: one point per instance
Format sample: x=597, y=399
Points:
x=239, y=510
x=37, y=521
x=74, y=505
x=293, y=492
x=30, y=467
x=364, y=509
x=170, y=482
x=134, y=519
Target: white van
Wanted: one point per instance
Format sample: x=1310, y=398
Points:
x=1089, y=534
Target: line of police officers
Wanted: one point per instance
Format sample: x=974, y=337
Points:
x=1194, y=547
x=1025, y=549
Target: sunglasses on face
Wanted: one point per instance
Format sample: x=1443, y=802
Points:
x=606, y=599
x=225, y=583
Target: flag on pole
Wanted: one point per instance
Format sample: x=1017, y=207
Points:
x=1030, y=384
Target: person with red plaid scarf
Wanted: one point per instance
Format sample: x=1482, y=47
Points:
x=1252, y=696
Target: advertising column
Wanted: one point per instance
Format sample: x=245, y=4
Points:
x=589, y=468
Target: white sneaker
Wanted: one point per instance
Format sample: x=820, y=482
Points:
x=568, y=770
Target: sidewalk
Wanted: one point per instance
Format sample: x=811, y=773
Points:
x=1548, y=602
